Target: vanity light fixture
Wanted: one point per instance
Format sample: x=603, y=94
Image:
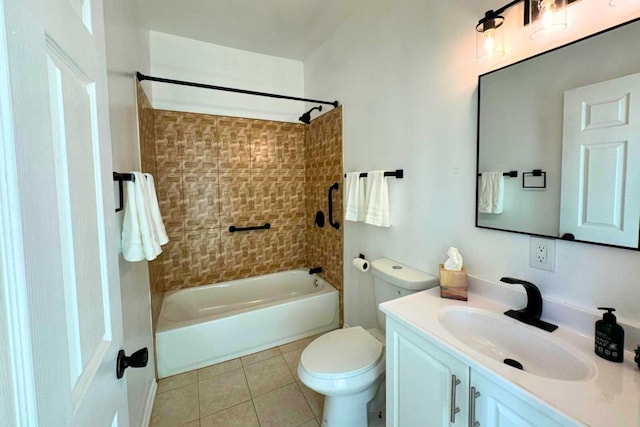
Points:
x=547, y=16
x=490, y=35
x=544, y=16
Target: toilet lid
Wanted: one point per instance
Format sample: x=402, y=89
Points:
x=342, y=352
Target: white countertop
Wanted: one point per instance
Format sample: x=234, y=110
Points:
x=609, y=398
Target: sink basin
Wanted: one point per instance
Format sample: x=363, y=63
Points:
x=502, y=338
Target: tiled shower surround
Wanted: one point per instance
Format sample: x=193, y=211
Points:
x=147, y=130
x=215, y=171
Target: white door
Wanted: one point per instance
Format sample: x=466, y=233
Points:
x=601, y=162
x=66, y=282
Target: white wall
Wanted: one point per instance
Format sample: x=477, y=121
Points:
x=184, y=59
x=127, y=52
x=406, y=73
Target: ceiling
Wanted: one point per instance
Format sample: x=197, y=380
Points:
x=285, y=28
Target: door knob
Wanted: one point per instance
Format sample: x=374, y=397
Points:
x=138, y=359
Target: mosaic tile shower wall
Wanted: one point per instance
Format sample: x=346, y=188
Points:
x=215, y=171
x=323, y=165
x=147, y=135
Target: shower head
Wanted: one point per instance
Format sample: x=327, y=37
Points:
x=306, y=117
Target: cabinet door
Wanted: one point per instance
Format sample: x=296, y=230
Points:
x=421, y=382
x=497, y=407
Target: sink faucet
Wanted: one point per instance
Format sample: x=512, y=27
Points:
x=531, y=313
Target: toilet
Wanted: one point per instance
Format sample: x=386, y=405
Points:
x=347, y=365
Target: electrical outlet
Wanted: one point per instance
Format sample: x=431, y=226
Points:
x=542, y=253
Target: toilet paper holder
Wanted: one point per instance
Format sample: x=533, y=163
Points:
x=361, y=263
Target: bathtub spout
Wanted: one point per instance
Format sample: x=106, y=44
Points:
x=315, y=270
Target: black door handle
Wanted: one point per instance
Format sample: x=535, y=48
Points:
x=335, y=225
x=138, y=359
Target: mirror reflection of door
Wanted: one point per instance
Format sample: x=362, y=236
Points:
x=601, y=162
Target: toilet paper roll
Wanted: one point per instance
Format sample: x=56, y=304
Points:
x=361, y=264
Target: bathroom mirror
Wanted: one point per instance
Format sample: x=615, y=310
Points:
x=567, y=122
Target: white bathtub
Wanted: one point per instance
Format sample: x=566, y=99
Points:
x=210, y=324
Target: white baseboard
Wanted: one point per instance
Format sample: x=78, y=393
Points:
x=151, y=397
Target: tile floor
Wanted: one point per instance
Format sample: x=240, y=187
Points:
x=260, y=390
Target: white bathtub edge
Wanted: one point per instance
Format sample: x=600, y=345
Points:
x=167, y=372
x=201, y=341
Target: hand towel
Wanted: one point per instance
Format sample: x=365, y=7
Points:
x=131, y=238
x=491, y=193
x=355, y=197
x=154, y=210
x=139, y=238
x=150, y=243
x=377, y=199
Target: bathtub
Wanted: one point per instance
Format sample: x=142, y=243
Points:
x=210, y=324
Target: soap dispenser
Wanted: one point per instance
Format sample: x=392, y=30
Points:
x=609, y=339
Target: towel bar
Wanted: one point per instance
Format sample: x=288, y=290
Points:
x=122, y=177
x=510, y=174
x=398, y=173
x=536, y=173
x=234, y=229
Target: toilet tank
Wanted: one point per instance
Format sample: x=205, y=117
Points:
x=392, y=280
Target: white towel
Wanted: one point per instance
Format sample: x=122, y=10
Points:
x=355, y=209
x=154, y=210
x=377, y=199
x=131, y=237
x=491, y=193
x=140, y=238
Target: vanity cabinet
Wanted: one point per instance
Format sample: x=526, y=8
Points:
x=429, y=386
x=425, y=385
x=494, y=406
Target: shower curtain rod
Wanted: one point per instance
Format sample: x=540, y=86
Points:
x=142, y=77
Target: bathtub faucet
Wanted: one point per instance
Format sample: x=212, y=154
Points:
x=315, y=270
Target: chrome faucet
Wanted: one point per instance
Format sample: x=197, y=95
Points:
x=531, y=313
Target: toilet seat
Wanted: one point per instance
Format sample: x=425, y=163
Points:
x=342, y=353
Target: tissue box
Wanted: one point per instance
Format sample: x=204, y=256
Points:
x=453, y=284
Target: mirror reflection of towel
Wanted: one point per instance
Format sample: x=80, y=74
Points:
x=491, y=193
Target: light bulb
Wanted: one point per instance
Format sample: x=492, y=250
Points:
x=489, y=41
x=546, y=8
x=552, y=17
x=547, y=19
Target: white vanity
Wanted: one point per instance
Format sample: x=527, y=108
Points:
x=445, y=367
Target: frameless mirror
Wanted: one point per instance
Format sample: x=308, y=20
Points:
x=568, y=121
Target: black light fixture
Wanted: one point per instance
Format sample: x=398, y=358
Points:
x=489, y=31
x=306, y=117
x=545, y=16
x=489, y=37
